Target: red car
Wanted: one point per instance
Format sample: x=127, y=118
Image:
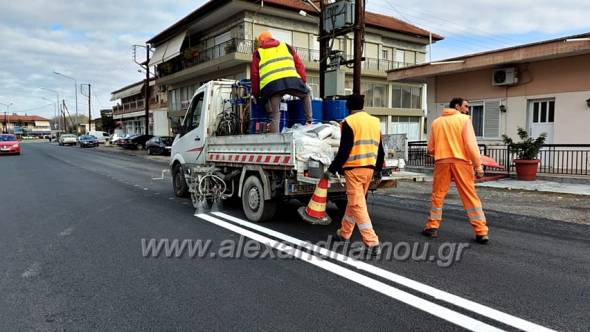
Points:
x=9, y=144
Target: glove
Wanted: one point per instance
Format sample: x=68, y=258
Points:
x=377, y=176
x=327, y=175
x=479, y=172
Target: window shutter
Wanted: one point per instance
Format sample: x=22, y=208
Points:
x=491, y=127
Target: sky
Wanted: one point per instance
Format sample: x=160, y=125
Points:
x=91, y=41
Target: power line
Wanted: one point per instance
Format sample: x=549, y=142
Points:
x=420, y=15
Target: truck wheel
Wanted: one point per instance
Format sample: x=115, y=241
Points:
x=255, y=207
x=178, y=182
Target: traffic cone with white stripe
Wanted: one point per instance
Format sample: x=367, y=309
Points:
x=315, y=212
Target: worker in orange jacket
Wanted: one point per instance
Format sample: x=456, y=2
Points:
x=360, y=156
x=453, y=144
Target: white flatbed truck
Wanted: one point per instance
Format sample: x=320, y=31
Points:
x=260, y=169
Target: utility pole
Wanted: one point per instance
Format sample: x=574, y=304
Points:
x=323, y=49
x=89, y=107
x=147, y=89
x=359, y=41
x=83, y=91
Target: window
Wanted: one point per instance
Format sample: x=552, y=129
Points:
x=409, y=125
x=376, y=95
x=385, y=54
x=405, y=96
x=399, y=57
x=543, y=111
x=485, y=117
x=477, y=119
x=193, y=116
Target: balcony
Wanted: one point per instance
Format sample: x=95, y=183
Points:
x=136, y=106
x=191, y=57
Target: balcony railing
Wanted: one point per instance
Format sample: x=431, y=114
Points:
x=135, y=106
x=192, y=56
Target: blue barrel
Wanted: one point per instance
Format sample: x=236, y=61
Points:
x=259, y=117
x=297, y=111
x=335, y=110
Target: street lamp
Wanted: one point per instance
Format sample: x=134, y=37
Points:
x=5, y=129
x=75, y=90
x=57, y=105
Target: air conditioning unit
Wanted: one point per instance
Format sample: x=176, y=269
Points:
x=505, y=76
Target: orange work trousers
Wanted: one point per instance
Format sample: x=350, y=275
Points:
x=357, y=185
x=462, y=174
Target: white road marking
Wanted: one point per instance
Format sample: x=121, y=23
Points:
x=412, y=284
x=378, y=286
x=32, y=271
x=67, y=231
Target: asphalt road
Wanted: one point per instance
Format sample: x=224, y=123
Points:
x=71, y=228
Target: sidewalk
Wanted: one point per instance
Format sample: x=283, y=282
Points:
x=539, y=185
x=537, y=199
x=134, y=153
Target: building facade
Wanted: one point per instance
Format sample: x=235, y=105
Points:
x=543, y=87
x=26, y=125
x=217, y=41
x=129, y=112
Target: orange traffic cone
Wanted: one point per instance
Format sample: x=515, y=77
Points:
x=315, y=212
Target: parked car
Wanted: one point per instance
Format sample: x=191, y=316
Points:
x=100, y=135
x=136, y=141
x=9, y=144
x=67, y=139
x=125, y=142
x=115, y=138
x=87, y=141
x=159, y=145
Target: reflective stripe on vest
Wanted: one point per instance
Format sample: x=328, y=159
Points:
x=276, y=63
x=448, y=138
x=367, y=135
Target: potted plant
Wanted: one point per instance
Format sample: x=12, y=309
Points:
x=527, y=150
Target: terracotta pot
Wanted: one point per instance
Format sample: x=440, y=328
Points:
x=526, y=170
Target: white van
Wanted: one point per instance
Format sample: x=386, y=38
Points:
x=100, y=135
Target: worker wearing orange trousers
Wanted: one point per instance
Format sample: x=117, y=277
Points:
x=360, y=156
x=453, y=144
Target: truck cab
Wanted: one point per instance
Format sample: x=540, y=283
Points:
x=197, y=125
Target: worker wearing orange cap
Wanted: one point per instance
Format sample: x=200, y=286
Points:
x=276, y=70
x=454, y=146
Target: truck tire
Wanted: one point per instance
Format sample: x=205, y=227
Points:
x=255, y=207
x=178, y=182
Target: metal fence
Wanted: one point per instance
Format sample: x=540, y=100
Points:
x=558, y=159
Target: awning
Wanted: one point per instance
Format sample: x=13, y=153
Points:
x=167, y=50
x=130, y=91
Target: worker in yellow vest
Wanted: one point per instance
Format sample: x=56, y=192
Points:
x=360, y=156
x=276, y=70
x=453, y=144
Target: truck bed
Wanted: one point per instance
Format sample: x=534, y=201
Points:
x=269, y=150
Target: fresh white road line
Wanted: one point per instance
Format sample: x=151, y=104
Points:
x=438, y=294
x=378, y=286
x=32, y=271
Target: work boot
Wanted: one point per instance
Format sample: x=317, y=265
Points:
x=339, y=236
x=430, y=232
x=482, y=239
x=373, y=251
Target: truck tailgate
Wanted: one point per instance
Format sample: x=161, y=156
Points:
x=260, y=149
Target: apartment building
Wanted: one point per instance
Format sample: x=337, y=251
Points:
x=217, y=41
x=129, y=112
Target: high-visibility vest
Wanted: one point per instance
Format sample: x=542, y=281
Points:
x=448, y=138
x=276, y=63
x=367, y=136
